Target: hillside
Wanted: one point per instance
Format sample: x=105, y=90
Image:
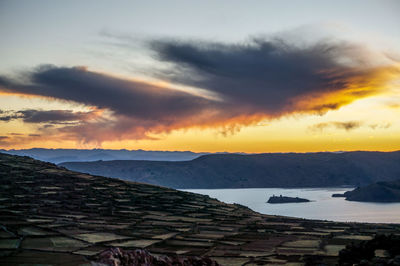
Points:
x=377, y=192
x=53, y=216
x=259, y=170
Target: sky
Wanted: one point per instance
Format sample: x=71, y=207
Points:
x=206, y=76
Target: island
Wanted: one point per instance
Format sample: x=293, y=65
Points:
x=388, y=191
x=284, y=199
x=338, y=195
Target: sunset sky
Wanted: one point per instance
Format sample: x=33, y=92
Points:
x=237, y=76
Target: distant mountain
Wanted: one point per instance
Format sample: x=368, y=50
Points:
x=377, y=192
x=259, y=170
x=78, y=155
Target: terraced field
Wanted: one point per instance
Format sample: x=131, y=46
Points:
x=53, y=216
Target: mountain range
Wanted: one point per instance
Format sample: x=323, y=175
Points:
x=288, y=170
x=84, y=155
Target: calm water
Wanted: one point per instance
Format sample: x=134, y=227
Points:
x=323, y=206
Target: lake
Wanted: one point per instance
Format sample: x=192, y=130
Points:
x=323, y=205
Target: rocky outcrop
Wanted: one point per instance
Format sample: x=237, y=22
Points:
x=119, y=256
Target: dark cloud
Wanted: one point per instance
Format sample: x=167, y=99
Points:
x=52, y=116
x=6, y=116
x=131, y=108
x=45, y=116
x=272, y=76
x=252, y=81
x=125, y=97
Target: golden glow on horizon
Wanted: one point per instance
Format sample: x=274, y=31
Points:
x=377, y=127
x=288, y=134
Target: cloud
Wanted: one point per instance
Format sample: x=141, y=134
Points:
x=380, y=126
x=15, y=134
x=12, y=139
x=4, y=140
x=126, y=97
x=54, y=116
x=122, y=108
x=253, y=81
x=6, y=116
x=275, y=77
x=46, y=116
x=348, y=125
